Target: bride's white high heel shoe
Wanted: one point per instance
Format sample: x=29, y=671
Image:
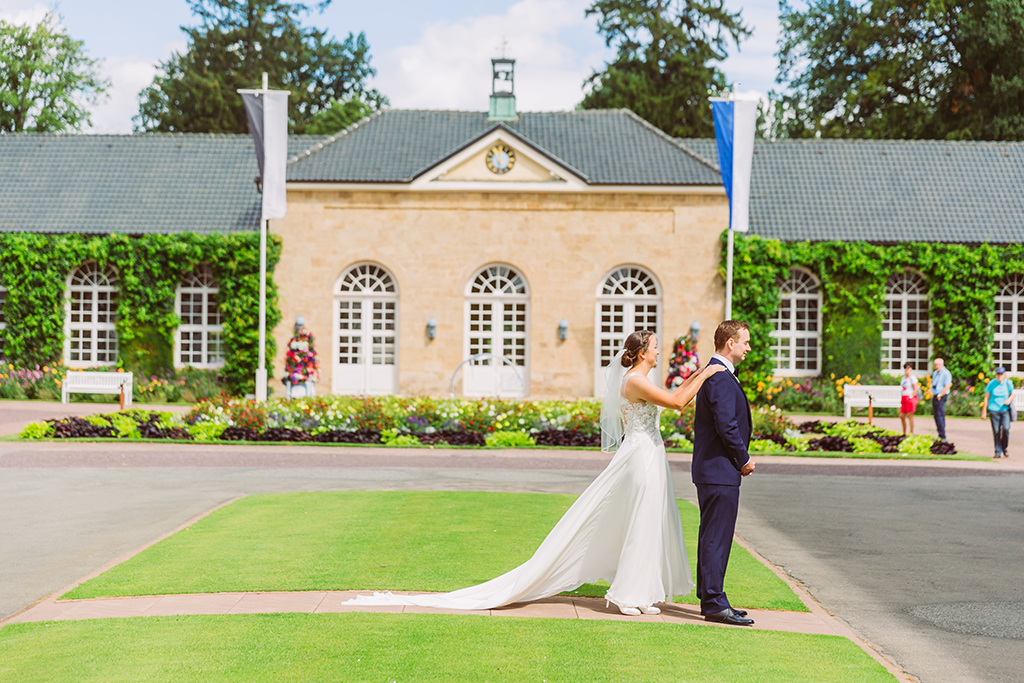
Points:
x=650, y=609
x=631, y=611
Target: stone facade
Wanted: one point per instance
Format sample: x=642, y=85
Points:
x=563, y=243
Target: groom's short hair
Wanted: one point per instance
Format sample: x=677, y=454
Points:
x=729, y=329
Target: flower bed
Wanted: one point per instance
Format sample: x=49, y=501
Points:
x=849, y=437
x=400, y=421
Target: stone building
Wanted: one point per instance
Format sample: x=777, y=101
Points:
x=416, y=240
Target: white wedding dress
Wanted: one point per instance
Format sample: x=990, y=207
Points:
x=624, y=529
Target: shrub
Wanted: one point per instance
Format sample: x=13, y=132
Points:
x=509, y=440
x=206, y=431
x=763, y=445
x=917, y=444
x=391, y=437
x=862, y=445
x=770, y=421
x=36, y=430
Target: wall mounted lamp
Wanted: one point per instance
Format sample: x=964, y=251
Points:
x=563, y=329
x=431, y=328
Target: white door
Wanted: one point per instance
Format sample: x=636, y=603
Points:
x=365, y=332
x=497, y=321
x=628, y=299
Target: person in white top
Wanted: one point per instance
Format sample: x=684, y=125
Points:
x=910, y=386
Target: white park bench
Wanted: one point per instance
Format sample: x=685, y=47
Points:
x=98, y=383
x=870, y=396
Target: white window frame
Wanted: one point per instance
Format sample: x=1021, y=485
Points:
x=3, y=320
x=501, y=285
x=371, y=287
x=89, y=318
x=1008, y=326
x=800, y=287
x=202, y=284
x=629, y=290
x=906, y=295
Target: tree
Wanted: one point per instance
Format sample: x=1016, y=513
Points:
x=663, y=67
x=46, y=81
x=238, y=40
x=904, y=69
x=340, y=114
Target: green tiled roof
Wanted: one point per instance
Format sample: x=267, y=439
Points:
x=884, y=191
x=154, y=183
x=605, y=147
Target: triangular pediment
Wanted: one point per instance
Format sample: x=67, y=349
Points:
x=500, y=159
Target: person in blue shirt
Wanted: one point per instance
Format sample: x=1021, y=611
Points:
x=941, y=382
x=998, y=397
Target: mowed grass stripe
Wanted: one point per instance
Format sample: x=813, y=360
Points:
x=419, y=647
x=379, y=540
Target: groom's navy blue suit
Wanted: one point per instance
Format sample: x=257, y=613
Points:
x=721, y=437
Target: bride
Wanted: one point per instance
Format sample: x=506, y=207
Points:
x=624, y=528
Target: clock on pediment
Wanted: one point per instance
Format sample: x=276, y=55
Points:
x=500, y=159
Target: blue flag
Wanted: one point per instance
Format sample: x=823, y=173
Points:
x=735, y=119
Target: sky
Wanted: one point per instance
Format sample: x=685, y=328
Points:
x=428, y=54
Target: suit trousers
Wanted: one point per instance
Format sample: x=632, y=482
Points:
x=718, y=508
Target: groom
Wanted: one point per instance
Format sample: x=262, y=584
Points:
x=721, y=436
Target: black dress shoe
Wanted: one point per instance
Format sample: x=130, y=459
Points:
x=728, y=616
x=741, y=612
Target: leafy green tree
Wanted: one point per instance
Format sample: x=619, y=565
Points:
x=339, y=115
x=902, y=69
x=46, y=81
x=235, y=42
x=663, y=68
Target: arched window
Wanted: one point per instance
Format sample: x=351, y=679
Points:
x=796, y=339
x=906, y=330
x=90, y=315
x=365, y=331
x=3, y=320
x=628, y=299
x=199, y=340
x=497, y=321
x=1008, y=347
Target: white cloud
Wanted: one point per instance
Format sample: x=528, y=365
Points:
x=22, y=13
x=128, y=76
x=753, y=67
x=449, y=66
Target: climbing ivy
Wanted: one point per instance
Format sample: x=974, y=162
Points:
x=962, y=281
x=34, y=268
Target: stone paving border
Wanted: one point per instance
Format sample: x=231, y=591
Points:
x=818, y=621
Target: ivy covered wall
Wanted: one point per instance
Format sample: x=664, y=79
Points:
x=34, y=268
x=962, y=281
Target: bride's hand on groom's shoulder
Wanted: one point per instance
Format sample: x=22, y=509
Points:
x=710, y=370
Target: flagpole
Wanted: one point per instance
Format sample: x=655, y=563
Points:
x=728, y=278
x=261, y=370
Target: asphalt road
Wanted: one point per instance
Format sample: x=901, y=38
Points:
x=924, y=563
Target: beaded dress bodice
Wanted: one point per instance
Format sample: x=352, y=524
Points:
x=640, y=418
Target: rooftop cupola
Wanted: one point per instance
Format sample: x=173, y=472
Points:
x=503, y=90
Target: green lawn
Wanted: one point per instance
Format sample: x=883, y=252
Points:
x=419, y=647
x=379, y=540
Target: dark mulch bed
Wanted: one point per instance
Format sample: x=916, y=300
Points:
x=564, y=437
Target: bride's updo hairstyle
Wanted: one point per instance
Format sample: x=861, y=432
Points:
x=636, y=344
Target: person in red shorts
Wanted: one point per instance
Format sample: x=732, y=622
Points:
x=910, y=387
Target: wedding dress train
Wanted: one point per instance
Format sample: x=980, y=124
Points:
x=624, y=528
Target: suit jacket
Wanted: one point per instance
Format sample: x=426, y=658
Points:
x=721, y=431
